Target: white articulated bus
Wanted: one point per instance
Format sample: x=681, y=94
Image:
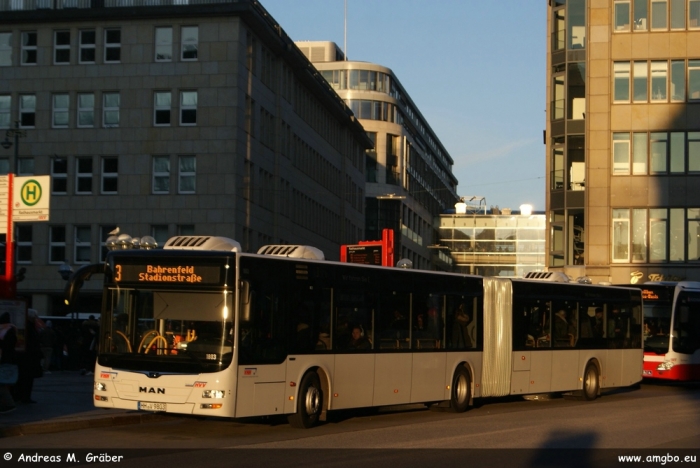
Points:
x=191, y=330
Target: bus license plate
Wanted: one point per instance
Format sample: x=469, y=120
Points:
x=147, y=406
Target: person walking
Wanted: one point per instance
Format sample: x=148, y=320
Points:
x=29, y=362
x=8, y=341
x=47, y=341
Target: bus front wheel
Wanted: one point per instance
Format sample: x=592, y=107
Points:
x=310, y=403
x=591, y=382
x=460, y=392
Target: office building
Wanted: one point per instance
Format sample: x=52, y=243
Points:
x=623, y=139
x=499, y=242
x=409, y=179
x=166, y=117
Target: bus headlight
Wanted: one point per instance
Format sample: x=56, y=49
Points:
x=213, y=394
x=664, y=366
x=100, y=387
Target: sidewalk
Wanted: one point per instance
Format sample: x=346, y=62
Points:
x=64, y=403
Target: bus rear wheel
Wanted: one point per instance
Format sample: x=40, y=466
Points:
x=310, y=402
x=591, y=382
x=460, y=391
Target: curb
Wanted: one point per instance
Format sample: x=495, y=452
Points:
x=60, y=425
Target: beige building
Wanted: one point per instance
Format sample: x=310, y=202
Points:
x=162, y=117
x=623, y=139
x=409, y=179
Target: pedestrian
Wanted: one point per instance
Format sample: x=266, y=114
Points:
x=47, y=341
x=8, y=341
x=29, y=361
x=90, y=330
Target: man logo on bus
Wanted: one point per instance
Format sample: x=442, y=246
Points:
x=160, y=391
x=31, y=192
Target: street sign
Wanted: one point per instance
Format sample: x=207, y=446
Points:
x=30, y=198
x=4, y=199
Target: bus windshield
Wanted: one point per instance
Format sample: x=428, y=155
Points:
x=686, y=324
x=166, y=331
x=657, y=325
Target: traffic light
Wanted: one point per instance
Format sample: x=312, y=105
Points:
x=20, y=275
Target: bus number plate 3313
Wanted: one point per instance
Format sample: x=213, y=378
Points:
x=148, y=406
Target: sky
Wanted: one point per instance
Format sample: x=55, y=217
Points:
x=474, y=68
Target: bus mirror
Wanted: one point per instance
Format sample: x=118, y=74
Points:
x=75, y=282
x=245, y=293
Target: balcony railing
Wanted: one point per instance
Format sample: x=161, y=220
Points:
x=29, y=5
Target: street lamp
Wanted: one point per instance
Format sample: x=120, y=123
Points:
x=15, y=133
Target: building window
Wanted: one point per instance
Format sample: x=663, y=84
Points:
x=59, y=176
x=694, y=78
x=27, y=110
x=659, y=78
x=110, y=175
x=694, y=152
x=113, y=46
x=61, y=48
x=87, y=46
x=187, y=174
x=60, y=111
x=621, y=86
x=57, y=244
x=621, y=153
x=185, y=230
x=110, y=110
x=160, y=233
x=659, y=15
x=678, y=14
x=26, y=166
x=620, y=235
x=164, y=44
x=82, y=245
x=29, y=48
x=105, y=233
x=83, y=175
x=678, y=81
x=24, y=243
x=188, y=108
x=190, y=42
x=161, y=108
x=640, y=82
x=5, y=49
x=86, y=110
x=5, y=110
x=658, y=145
x=161, y=174
x=693, y=14
x=622, y=15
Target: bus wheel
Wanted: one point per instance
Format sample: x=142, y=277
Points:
x=591, y=382
x=310, y=402
x=460, y=391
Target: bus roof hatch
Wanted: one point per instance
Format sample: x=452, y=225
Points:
x=292, y=251
x=202, y=243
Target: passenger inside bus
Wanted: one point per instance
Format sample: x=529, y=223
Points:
x=561, y=334
x=460, y=329
x=359, y=341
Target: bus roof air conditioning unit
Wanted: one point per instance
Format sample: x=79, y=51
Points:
x=292, y=251
x=555, y=276
x=202, y=243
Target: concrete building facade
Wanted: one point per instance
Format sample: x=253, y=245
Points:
x=409, y=179
x=163, y=117
x=623, y=139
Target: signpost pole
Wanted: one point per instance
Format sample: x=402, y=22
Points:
x=9, y=238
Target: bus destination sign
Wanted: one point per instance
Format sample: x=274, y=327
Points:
x=170, y=274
